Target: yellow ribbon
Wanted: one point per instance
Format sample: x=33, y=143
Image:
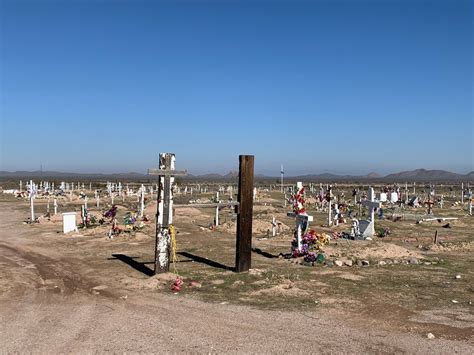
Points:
x=174, y=248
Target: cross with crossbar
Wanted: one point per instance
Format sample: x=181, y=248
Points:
x=164, y=215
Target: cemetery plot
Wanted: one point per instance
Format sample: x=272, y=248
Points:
x=301, y=260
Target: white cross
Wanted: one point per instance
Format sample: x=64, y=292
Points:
x=372, y=205
x=302, y=222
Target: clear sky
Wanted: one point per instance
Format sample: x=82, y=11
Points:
x=319, y=86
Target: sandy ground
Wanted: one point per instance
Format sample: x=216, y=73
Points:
x=65, y=294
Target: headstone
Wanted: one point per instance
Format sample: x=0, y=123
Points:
x=69, y=222
x=383, y=197
x=394, y=197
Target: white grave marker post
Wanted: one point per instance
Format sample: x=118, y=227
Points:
x=85, y=202
x=274, y=226
x=470, y=203
x=301, y=220
x=83, y=215
x=21, y=185
x=217, y=209
x=372, y=205
x=47, y=206
x=462, y=193
x=55, y=204
x=329, y=198
x=32, y=197
x=142, y=202
x=281, y=177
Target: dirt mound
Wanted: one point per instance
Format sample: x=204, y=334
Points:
x=386, y=251
x=287, y=288
x=467, y=246
x=188, y=212
x=51, y=219
x=258, y=226
x=263, y=208
x=311, y=201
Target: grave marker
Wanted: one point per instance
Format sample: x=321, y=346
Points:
x=217, y=210
x=244, y=218
x=302, y=219
x=164, y=215
x=69, y=222
x=368, y=227
x=32, y=196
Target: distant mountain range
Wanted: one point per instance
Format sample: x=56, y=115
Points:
x=404, y=176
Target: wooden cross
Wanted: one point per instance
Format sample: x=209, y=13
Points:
x=430, y=202
x=164, y=215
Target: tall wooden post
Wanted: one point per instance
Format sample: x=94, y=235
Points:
x=244, y=218
x=164, y=215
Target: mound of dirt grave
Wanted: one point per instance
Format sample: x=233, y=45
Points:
x=286, y=288
x=467, y=246
x=188, y=212
x=259, y=208
x=311, y=200
x=375, y=251
x=258, y=226
x=51, y=219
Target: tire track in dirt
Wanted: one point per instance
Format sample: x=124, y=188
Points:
x=52, y=275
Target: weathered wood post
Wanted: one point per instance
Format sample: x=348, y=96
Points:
x=164, y=214
x=244, y=217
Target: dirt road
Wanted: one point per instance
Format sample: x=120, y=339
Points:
x=54, y=299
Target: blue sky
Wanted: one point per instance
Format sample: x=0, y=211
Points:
x=320, y=86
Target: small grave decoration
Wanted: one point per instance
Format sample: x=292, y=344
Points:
x=306, y=241
x=87, y=219
x=297, y=201
x=311, y=246
x=130, y=220
x=111, y=213
x=383, y=232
